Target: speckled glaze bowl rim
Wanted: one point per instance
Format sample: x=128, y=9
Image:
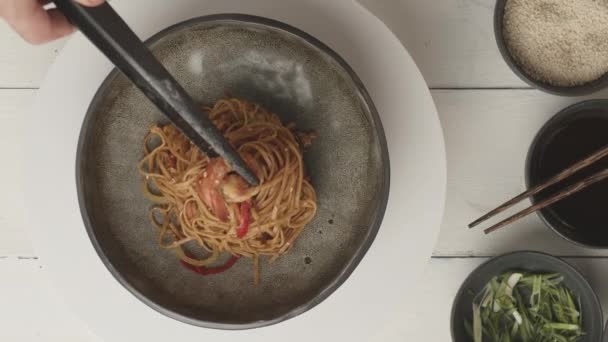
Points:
x=584, y=89
x=360, y=252
x=547, y=129
x=529, y=254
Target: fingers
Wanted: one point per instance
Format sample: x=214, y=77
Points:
x=90, y=2
x=33, y=22
x=82, y=2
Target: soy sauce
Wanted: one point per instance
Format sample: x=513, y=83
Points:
x=586, y=212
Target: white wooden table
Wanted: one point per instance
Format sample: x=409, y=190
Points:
x=489, y=118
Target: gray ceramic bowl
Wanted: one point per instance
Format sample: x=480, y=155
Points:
x=583, y=236
x=532, y=262
x=293, y=75
x=584, y=89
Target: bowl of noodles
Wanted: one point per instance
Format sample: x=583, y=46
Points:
x=187, y=236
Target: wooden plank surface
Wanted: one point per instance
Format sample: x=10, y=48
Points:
x=487, y=131
x=452, y=42
x=36, y=313
x=487, y=134
x=23, y=65
x=31, y=310
x=430, y=321
x=14, y=105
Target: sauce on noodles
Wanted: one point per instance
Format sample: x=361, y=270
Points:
x=201, y=203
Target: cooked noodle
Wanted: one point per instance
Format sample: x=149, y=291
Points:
x=199, y=199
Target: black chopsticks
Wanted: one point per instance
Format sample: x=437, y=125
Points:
x=110, y=34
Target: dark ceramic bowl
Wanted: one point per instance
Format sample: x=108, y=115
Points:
x=584, y=89
x=595, y=236
x=531, y=262
x=291, y=74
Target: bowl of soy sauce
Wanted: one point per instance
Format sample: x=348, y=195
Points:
x=570, y=136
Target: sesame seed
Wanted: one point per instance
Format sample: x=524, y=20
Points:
x=560, y=42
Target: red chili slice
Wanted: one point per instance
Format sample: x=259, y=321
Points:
x=202, y=270
x=240, y=232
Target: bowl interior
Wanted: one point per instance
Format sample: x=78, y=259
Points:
x=584, y=89
x=589, y=233
x=532, y=262
x=291, y=74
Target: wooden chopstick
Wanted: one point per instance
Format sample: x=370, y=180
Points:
x=592, y=158
x=558, y=197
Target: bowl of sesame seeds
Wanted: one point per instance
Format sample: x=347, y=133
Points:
x=557, y=46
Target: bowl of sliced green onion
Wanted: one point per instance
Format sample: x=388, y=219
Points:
x=526, y=297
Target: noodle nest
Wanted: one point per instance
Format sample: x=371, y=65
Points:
x=200, y=202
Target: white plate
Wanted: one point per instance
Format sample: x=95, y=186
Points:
x=388, y=274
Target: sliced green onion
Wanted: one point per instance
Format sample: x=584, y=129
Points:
x=516, y=306
x=562, y=326
x=477, y=335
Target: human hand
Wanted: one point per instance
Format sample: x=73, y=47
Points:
x=36, y=24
